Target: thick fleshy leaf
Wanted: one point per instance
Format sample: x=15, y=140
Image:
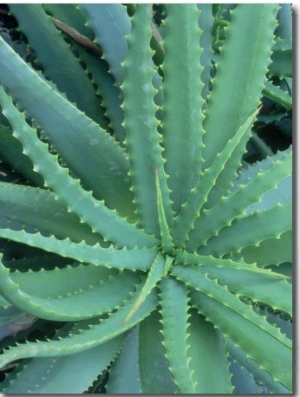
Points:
x=155, y=375
x=49, y=45
x=93, y=334
x=40, y=209
x=240, y=233
x=109, y=257
x=11, y=152
x=198, y=196
x=250, y=331
x=255, y=191
x=55, y=375
x=253, y=368
x=142, y=138
x=156, y=273
x=174, y=302
x=101, y=164
x=238, y=83
x=56, y=177
x=182, y=107
x=124, y=371
x=209, y=365
x=77, y=300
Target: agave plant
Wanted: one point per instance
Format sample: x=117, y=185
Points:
x=153, y=257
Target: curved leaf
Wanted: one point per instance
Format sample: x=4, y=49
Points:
x=264, y=288
x=11, y=153
x=273, y=251
x=89, y=209
x=254, y=368
x=109, y=257
x=250, y=195
x=82, y=300
x=198, y=196
x=93, y=335
x=250, y=230
x=49, y=45
x=250, y=331
x=101, y=164
x=40, y=209
x=155, y=274
x=51, y=375
x=238, y=83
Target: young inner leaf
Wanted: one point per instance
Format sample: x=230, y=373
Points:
x=166, y=239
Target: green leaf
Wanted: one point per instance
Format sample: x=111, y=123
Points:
x=100, y=163
x=154, y=368
x=40, y=209
x=72, y=278
x=285, y=21
x=239, y=83
x=49, y=46
x=272, y=251
x=253, y=367
x=89, y=209
x=209, y=365
x=110, y=257
x=198, y=196
x=32, y=259
x=206, y=22
x=51, y=375
x=174, y=311
x=251, y=171
x=72, y=15
x=142, y=138
x=250, y=230
x=186, y=258
x=92, y=335
x=282, y=59
x=124, y=371
x=275, y=93
x=250, y=194
x=250, y=331
x=165, y=236
x=182, y=109
x=110, y=24
x=11, y=153
x=244, y=382
x=281, y=194
x=264, y=288
x=81, y=298
x=111, y=94
x=155, y=274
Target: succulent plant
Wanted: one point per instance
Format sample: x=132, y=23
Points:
x=153, y=257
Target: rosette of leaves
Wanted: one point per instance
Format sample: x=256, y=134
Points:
x=159, y=261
